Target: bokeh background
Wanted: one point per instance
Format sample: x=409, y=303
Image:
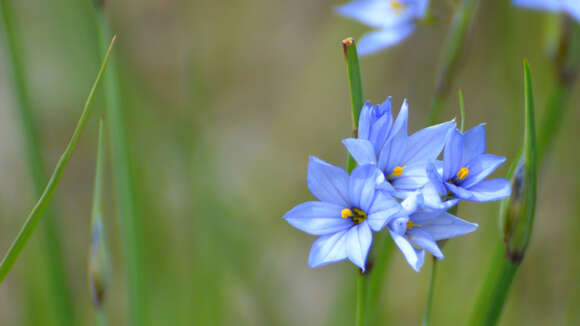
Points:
x=225, y=102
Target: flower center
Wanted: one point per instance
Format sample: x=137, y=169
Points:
x=357, y=215
x=398, y=6
x=411, y=225
x=462, y=173
x=397, y=171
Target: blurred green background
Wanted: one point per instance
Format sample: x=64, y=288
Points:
x=225, y=101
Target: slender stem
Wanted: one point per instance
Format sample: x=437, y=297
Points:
x=462, y=109
x=496, y=287
x=131, y=226
x=101, y=318
x=356, y=100
x=430, y=293
x=452, y=49
x=383, y=254
x=38, y=210
x=361, y=299
x=355, y=87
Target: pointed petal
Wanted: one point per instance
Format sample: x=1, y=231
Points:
x=328, y=182
x=363, y=184
x=384, y=38
x=413, y=178
x=328, y=249
x=425, y=241
x=391, y=154
x=426, y=144
x=442, y=225
x=480, y=168
x=317, y=218
x=435, y=178
x=365, y=120
x=452, y=157
x=473, y=143
x=382, y=210
x=458, y=191
x=381, y=129
x=432, y=199
x=414, y=257
x=490, y=190
x=361, y=150
x=374, y=13
x=359, y=239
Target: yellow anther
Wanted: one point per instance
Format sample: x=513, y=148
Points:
x=462, y=174
x=411, y=225
x=398, y=170
x=397, y=5
x=346, y=213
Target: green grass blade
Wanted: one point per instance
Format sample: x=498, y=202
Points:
x=131, y=228
x=452, y=49
x=516, y=221
x=51, y=249
x=38, y=210
x=430, y=293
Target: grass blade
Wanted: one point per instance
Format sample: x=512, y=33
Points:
x=38, y=210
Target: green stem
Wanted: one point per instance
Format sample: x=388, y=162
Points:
x=495, y=289
x=101, y=318
x=430, y=293
x=38, y=210
x=452, y=49
x=355, y=87
x=356, y=100
x=377, y=277
x=361, y=299
x=131, y=226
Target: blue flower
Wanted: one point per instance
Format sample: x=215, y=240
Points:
x=572, y=7
x=349, y=208
x=394, y=19
x=465, y=166
x=416, y=230
x=402, y=158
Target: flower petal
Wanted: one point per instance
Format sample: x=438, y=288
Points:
x=425, y=241
x=442, y=225
x=317, y=218
x=414, y=257
x=473, y=143
x=361, y=150
x=358, y=243
x=540, y=4
x=381, y=127
x=414, y=177
x=375, y=13
x=480, y=168
x=363, y=184
x=328, y=182
x=383, y=208
x=328, y=249
x=365, y=120
x=490, y=190
x=435, y=178
x=384, y=38
x=452, y=157
x=426, y=144
x=459, y=191
x=391, y=154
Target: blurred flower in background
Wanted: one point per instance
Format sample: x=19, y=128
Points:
x=394, y=19
x=572, y=7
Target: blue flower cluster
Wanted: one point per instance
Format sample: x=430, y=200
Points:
x=399, y=185
x=571, y=7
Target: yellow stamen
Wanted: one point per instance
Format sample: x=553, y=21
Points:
x=397, y=5
x=398, y=170
x=462, y=174
x=411, y=225
x=346, y=213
